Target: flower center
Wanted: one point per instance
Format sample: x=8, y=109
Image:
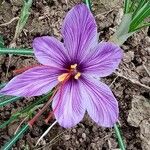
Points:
x=71, y=72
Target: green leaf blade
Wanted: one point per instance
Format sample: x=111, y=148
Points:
x=140, y=5
x=126, y=6
x=119, y=137
x=1, y=41
x=16, y=51
x=140, y=16
x=2, y=85
x=25, y=12
x=11, y=119
x=7, y=101
x=88, y=3
x=17, y=136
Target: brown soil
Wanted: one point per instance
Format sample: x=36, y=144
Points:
x=131, y=79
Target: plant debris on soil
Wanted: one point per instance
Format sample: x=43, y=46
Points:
x=130, y=83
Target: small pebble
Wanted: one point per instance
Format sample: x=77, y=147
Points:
x=83, y=135
x=67, y=137
x=74, y=130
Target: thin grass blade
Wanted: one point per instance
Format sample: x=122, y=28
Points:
x=141, y=11
x=7, y=101
x=9, y=144
x=119, y=137
x=16, y=51
x=126, y=6
x=17, y=136
x=11, y=119
x=88, y=3
x=140, y=5
x=141, y=15
x=133, y=5
x=142, y=26
x=1, y=41
x=2, y=85
x=2, y=96
x=26, y=110
x=25, y=12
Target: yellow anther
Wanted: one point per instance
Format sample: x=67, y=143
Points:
x=77, y=75
x=73, y=66
x=62, y=77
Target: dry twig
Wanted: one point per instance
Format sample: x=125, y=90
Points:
x=148, y=72
x=20, y=125
x=132, y=80
x=113, y=81
x=7, y=23
x=51, y=142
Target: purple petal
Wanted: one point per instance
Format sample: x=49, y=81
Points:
x=49, y=51
x=104, y=59
x=68, y=104
x=79, y=31
x=100, y=102
x=34, y=82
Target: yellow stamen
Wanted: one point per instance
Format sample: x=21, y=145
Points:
x=77, y=75
x=62, y=77
x=73, y=66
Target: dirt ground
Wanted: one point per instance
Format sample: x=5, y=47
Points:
x=130, y=83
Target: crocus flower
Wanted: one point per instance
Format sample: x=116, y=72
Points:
x=76, y=64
